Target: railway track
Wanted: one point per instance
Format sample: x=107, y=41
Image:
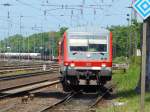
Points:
x=27, y=88
x=77, y=97
x=17, y=66
x=26, y=79
x=67, y=104
x=4, y=70
x=13, y=77
x=20, y=63
x=10, y=69
x=27, y=64
x=100, y=97
x=66, y=99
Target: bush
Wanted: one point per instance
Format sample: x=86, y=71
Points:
x=135, y=60
x=121, y=59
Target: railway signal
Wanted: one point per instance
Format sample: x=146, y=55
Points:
x=143, y=8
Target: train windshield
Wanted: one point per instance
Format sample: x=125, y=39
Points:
x=97, y=47
x=88, y=45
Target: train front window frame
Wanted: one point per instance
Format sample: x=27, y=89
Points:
x=94, y=44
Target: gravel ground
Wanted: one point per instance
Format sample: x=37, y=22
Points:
x=80, y=103
x=42, y=99
x=48, y=96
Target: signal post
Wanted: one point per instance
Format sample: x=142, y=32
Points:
x=143, y=9
x=147, y=23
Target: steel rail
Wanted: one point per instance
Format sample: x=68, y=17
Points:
x=100, y=97
x=12, y=77
x=24, y=64
x=66, y=99
x=27, y=65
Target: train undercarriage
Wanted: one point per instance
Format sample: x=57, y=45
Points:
x=84, y=80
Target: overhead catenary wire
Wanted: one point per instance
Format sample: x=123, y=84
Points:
x=71, y=7
x=81, y=12
x=27, y=4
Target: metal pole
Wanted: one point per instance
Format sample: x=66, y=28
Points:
x=6, y=5
x=52, y=44
x=28, y=48
x=0, y=49
x=19, y=40
x=130, y=41
x=40, y=47
x=143, y=67
x=134, y=13
x=34, y=43
x=135, y=33
x=7, y=41
x=127, y=46
x=131, y=34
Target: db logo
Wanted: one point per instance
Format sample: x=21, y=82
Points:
x=88, y=64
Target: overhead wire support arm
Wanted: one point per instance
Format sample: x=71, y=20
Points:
x=6, y=4
x=65, y=6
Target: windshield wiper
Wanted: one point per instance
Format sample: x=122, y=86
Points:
x=101, y=53
x=74, y=53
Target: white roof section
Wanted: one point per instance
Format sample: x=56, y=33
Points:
x=78, y=42
x=84, y=42
x=88, y=31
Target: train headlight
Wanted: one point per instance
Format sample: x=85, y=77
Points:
x=66, y=64
x=103, y=65
x=72, y=65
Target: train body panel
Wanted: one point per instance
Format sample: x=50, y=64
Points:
x=85, y=54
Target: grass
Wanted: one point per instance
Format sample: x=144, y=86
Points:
x=126, y=84
x=119, y=60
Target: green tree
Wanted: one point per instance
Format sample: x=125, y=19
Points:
x=39, y=43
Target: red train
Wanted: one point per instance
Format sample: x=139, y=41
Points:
x=85, y=57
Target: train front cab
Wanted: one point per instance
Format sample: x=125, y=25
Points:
x=84, y=71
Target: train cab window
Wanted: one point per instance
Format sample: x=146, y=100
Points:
x=98, y=47
x=78, y=48
x=88, y=44
x=78, y=44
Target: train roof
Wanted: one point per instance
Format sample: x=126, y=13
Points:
x=90, y=30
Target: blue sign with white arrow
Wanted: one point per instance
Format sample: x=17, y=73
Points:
x=143, y=8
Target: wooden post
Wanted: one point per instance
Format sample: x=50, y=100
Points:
x=145, y=72
x=143, y=67
x=148, y=55
x=144, y=82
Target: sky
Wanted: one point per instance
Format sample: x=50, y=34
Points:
x=32, y=16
